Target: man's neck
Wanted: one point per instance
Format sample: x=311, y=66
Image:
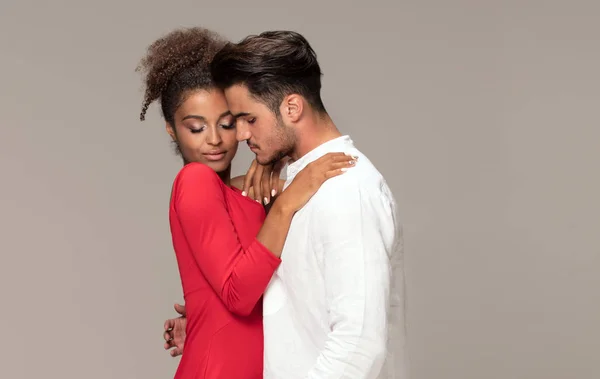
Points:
x=317, y=131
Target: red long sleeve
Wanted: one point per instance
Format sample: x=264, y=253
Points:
x=239, y=275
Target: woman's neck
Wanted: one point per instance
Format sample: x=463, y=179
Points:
x=226, y=176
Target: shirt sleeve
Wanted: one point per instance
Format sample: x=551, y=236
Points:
x=238, y=274
x=357, y=232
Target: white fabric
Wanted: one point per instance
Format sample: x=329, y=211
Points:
x=335, y=307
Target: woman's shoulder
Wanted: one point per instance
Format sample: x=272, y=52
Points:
x=196, y=170
x=198, y=175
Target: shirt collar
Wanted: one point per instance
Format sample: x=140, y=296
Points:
x=341, y=144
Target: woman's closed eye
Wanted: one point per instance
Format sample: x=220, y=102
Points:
x=197, y=129
x=228, y=126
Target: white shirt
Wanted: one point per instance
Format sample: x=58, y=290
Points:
x=335, y=307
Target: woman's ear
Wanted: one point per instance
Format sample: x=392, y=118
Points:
x=171, y=130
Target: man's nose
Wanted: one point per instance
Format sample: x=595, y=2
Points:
x=243, y=132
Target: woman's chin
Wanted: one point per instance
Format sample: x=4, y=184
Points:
x=219, y=166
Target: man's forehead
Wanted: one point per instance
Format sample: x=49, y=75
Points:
x=239, y=100
x=237, y=92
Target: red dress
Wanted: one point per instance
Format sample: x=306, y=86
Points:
x=224, y=271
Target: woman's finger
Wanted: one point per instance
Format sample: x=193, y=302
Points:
x=337, y=164
x=335, y=172
x=341, y=164
x=334, y=157
x=266, y=184
x=330, y=156
x=275, y=175
x=256, y=182
x=343, y=157
x=248, y=178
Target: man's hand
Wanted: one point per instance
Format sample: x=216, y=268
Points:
x=174, y=334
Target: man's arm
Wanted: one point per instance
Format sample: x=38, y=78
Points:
x=174, y=333
x=357, y=234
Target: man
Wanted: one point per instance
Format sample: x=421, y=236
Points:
x=335, y=307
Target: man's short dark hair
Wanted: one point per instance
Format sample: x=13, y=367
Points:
x=271, y=65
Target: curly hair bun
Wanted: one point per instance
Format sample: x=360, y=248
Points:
x=181, y=60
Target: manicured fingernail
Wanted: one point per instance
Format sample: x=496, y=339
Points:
x=352, y=162
x=266, y=201
x=344, y=169
x=258, y=201
x=243, y=193
x=273, y=193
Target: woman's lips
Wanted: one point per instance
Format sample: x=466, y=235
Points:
x=215, y=156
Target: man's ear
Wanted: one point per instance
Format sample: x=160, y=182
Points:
x=292, y=108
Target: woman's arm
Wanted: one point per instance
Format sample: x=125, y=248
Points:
x=238, y=274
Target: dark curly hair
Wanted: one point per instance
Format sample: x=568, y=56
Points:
x=175, y=64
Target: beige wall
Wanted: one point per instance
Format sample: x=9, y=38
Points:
x=482, y=115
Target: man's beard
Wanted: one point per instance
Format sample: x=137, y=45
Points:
x=288, y=147
x=279, y=155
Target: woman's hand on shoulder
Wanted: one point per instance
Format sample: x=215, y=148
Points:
x=308, y=181
x=261, y=183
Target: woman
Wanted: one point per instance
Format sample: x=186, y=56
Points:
x=227, y=247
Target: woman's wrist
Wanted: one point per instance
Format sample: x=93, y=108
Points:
x=282, y=208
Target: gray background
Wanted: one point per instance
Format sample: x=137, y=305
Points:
x=482, y=115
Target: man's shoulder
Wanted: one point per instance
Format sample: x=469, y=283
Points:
x=364, y=176
x=360, y=183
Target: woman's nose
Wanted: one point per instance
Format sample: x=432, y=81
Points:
x=214, y=138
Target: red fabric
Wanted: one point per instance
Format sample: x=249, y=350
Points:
x=224, y=271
